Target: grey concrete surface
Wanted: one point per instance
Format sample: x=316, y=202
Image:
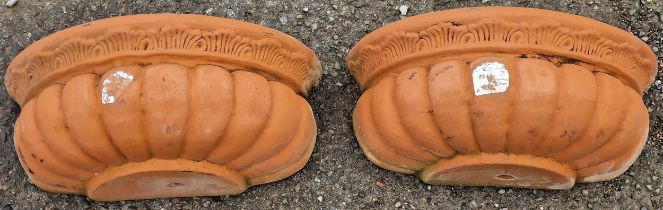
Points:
x=338, y=176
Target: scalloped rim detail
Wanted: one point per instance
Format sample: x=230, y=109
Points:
x=145, y=38
x=510, y=170
x=502, y=30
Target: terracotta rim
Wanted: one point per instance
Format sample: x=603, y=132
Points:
x=43, y=62
x=615, y=51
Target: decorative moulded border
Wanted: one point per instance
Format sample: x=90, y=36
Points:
x=169, y=42
x=369, y=60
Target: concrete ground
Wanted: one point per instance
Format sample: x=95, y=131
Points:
x=338, y=175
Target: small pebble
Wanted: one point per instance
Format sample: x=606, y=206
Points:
x=473, y=204
x=93, y=8
x=501, y=191
x=649, y=187
x=305, y=9
x=316, y=179
x=320, y=198
x=655, y=49
x=585, y=192
x=10, y=3
x=657, y=83
x=645, y=38
x=380, y=183
x=398, y=204
x=403, y=10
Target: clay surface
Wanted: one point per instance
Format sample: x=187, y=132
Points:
x=500, y=97
x=338, y=173
x=158, y=106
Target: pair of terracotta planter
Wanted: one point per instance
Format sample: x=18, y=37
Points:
x=154, y=106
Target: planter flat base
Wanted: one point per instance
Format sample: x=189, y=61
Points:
x=500, y=170
x=163, y=179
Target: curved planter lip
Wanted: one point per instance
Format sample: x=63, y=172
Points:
x=638, y=70
x=301, y=76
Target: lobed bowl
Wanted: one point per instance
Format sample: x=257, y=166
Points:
x=502, y=96
x=165, y=105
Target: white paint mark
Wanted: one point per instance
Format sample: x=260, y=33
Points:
x=489, y=78
x=10, y=3
x=117, y=81
x=403, y=9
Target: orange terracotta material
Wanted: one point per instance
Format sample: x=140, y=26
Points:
x=156, y=106
x=502, y=96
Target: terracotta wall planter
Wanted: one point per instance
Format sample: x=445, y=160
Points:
x=502, y=97
x=153, y=106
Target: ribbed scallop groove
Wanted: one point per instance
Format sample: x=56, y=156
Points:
x=103, y=123
x=238, y=152
x=189, y=100
x=627, y=127
x=583, y=132
x=427, y=142
x=233, y=106
x=511, y=94
x=276, y=135
x=84, y=161
x=400, y=122
x=47, y=158
x=140, y=80
x=275, y=163
x=467, y=74
x=547, y=129
x=595, y=145
x=67, y=182
x=113, y=148
x=231, y=116
x=146, y=142
x=621, y=119
x=368, y=132
x=430, y=104
x=390, y=128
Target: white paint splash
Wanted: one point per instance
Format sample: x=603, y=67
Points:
x=489, y=78
x=403, y=9
x=117, y=81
